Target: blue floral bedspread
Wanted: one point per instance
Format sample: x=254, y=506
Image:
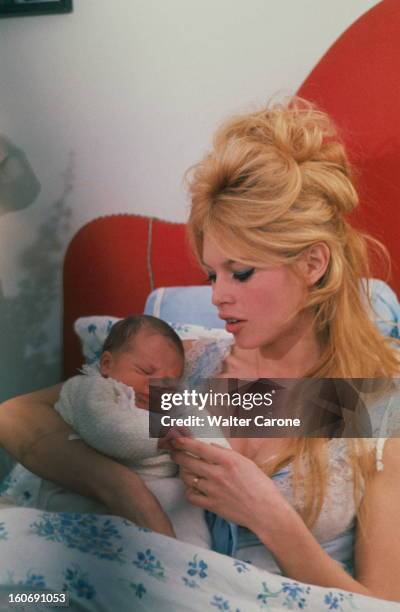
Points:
x=106, y=563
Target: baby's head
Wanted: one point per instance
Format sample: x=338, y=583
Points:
x=139, y=348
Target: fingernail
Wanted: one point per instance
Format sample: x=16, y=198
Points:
x=179, y=441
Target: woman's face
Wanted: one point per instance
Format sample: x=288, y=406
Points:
x=260, y=305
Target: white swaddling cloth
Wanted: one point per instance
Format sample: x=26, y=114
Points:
x=102, y=412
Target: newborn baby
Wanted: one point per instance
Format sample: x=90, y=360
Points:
x=107, y=406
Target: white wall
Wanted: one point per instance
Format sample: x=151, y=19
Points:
x=128, y=92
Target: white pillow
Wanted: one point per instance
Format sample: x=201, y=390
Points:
x=92, y=331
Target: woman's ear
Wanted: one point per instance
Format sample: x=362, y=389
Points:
x=105, y=363
x=314, y=262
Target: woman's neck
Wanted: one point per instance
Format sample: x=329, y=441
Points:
x=292, y=355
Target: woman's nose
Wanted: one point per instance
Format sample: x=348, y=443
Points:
x=221, y=293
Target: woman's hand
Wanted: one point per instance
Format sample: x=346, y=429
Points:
x=232, y=486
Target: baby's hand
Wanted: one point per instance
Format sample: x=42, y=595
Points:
x=165, y=443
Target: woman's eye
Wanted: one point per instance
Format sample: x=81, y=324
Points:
x=243, y=275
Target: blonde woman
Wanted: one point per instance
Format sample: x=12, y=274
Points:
x=268, y=224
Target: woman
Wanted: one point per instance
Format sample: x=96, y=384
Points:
x=268, y=224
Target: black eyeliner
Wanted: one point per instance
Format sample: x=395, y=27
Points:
x=243, y=276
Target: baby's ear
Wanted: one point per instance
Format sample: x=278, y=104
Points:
x=105, y=363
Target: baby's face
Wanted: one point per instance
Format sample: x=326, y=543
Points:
x=148, y=355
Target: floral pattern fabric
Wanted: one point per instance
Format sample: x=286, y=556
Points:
x=106, y=563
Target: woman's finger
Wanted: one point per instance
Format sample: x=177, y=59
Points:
x=197, y=482
x=187, y=477
x=193, y=464
x=198, y=499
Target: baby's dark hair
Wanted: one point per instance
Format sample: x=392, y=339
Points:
x=127, y=328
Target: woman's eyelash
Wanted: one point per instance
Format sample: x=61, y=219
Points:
x=239, y=276
x=243, y=275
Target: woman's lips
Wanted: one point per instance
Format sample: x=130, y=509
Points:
x=233, y=325
x=234, y=328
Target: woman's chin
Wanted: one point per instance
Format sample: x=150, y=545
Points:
x=253, y=341
x=245, y=342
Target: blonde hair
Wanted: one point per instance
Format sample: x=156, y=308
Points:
x=276, y=182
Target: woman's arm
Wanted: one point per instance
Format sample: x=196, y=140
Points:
x=377, y=553
x=35, y=435
x=33, y=432
x=28, y=419
x=232, y=486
